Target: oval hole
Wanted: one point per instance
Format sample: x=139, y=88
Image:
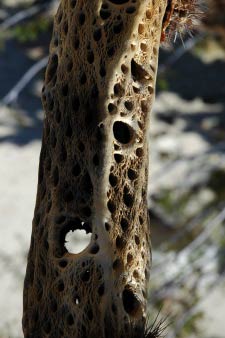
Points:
x=138, y=72
x=76, y=241
x=130, y=302
x=122, y=132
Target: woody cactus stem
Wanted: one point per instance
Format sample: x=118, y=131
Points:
x=97, y=97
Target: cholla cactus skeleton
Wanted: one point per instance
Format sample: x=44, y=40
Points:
x=98, y=93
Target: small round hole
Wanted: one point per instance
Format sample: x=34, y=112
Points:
x=112, y=108
x=97, y=34
x=124, y=224
x=81, y=19
x=118, y=158
x=112, y=180
x=117, y=264
x=111, y=206
x=101, y=290
x=61, y=286
x=137, y=240
x=85, y=276
x=132, y=175
x=63, y=263
x=139, y=152
x=94, y=249
x=124, y=69
x=118, y=90
x=77, y=241
x=129, y=105
x=90, y=57
x=70, y=320
x=107, y=227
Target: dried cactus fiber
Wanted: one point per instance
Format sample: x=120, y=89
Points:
x=181, y=17
x=97, y=96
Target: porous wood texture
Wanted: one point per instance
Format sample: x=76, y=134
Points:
x=97, y=96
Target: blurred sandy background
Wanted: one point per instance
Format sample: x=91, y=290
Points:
x=187, y=171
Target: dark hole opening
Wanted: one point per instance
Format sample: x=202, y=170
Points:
x=70, y=320
x=122, y=132
x=128, y=105
x=102, y=71
x=117, y=264
x=97, y=34
x=128, y=198
x=111, y=206
x=107, y=226
x=111, y=51
x=90, y=57
x=118, y=158
x=138, y=72
x=112, y=108
x=131, y=174
x=61, y=286
x=81, y=19
x=124, y=224
x=101, y=290
x=94, y=249
x=104, y=14
x=85, y=276
x=73, y=3
x=120, y=242
x=63, y=263
x=76, y=170
x=112, y=180
x=118, y=90
x=65, y=27
x=130, y=302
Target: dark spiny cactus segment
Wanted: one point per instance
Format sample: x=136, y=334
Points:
x=155, y=329
x=181, y=17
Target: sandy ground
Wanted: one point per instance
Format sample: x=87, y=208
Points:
x=18, y=189
x=214, y=308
